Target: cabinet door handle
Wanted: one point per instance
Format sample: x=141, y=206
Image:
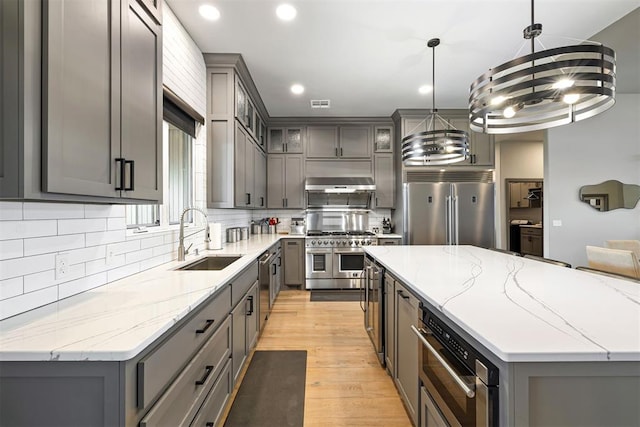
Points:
x=207, y=325
x=341, y=152
x=336, y=151
x=120, y=162
x=250, y=299
x=279, y=261
x=261, y=201
x=283, y=202
x=207, y=371
x=131, y=164
x=209, y=424
x=248, y=198
x=286, y=203
x=403, y=295
x=273, y=273
x=284, y=148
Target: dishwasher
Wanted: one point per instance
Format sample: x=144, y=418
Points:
x=264, y=279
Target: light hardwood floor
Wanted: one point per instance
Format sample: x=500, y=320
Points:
x=345, y=384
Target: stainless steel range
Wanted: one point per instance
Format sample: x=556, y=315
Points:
x=337, y=219
x=334, y=259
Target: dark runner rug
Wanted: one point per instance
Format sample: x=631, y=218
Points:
x=272, y=391
x=338, y=295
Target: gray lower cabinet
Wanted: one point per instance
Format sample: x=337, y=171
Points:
x=385, y=180
x=390, y=324
x=185, y=376
x=285, y=181
x=406, y=378
x=294, y=273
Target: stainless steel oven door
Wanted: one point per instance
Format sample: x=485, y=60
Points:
x=319, y=263
x=450, y=384
x=348, y=263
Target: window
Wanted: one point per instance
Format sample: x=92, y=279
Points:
x=178, y=130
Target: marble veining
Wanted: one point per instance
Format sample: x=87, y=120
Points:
x=521, y=309
x=118, y=320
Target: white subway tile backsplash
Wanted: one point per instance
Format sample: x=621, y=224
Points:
x=11, y=249
x=123, y=247
x=151, y=242
x=27, y=265
x=45, y=279
x=116, y=223
x=44, y=245
x=104, y=211
x=98, y=266
x=10, y=211
x=155, y=261
x=138, y=256
x=21, y=303
x=87, y=254
x=81, y=285
x=73, y=226
x=12, y=287
x=164, y=250
x=34, y=210
x=24, y=229
x=105, y=237
x=124, y=271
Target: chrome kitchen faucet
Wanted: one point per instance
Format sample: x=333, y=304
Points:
x=181, y=250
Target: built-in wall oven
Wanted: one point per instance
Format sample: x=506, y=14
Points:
x=458, y=385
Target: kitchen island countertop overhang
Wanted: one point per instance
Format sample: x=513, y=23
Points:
x=522, y=310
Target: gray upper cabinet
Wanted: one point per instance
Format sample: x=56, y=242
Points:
x=385, y=180
x=286, y=140
x=68, y=133
x=260, y=179
x=355, y=142
x=342, y=142
x=101, y=101
x=236, y=163
x=285, y=181
x=322, y=141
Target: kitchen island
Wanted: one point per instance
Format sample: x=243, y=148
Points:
x=567, y=342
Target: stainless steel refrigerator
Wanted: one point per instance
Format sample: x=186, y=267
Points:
x=449, y=213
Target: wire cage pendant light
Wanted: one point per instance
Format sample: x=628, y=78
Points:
x=440, y=146
x=543, y=89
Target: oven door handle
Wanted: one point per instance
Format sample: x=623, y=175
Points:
x=463, y=385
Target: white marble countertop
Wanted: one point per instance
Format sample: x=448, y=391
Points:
x=523, y=310
x=118, y=320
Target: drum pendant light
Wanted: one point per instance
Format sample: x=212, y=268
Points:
x=435, y=146
x=544, y=89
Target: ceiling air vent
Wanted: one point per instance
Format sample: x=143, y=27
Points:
x=320, y=103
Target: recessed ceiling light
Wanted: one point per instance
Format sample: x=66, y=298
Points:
x=297, y=89
x=286, y=12
x=423, y=90
x=209, y=12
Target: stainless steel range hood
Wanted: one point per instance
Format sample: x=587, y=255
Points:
x=340, y=185
x=339, y=193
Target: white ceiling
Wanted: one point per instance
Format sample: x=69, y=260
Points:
x=370, y=57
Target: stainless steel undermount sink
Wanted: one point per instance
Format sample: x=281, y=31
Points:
x=214, y=262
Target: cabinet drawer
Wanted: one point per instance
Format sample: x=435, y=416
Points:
x=242, y=283
x=185, y=395
x=212, y=407
x=530, y=231
x=160, y=366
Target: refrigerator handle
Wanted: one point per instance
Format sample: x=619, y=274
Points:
x=447, y=215
x=455, y=219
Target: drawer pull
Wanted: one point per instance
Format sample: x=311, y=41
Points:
x=402, y=295
x=209, y=424
x=207, y=325
x=207, y=371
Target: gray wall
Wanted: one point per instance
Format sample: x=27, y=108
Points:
x=603, y=147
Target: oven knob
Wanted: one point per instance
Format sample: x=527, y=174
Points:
x=362, y=242
x=313, y=242
x=331, y=242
